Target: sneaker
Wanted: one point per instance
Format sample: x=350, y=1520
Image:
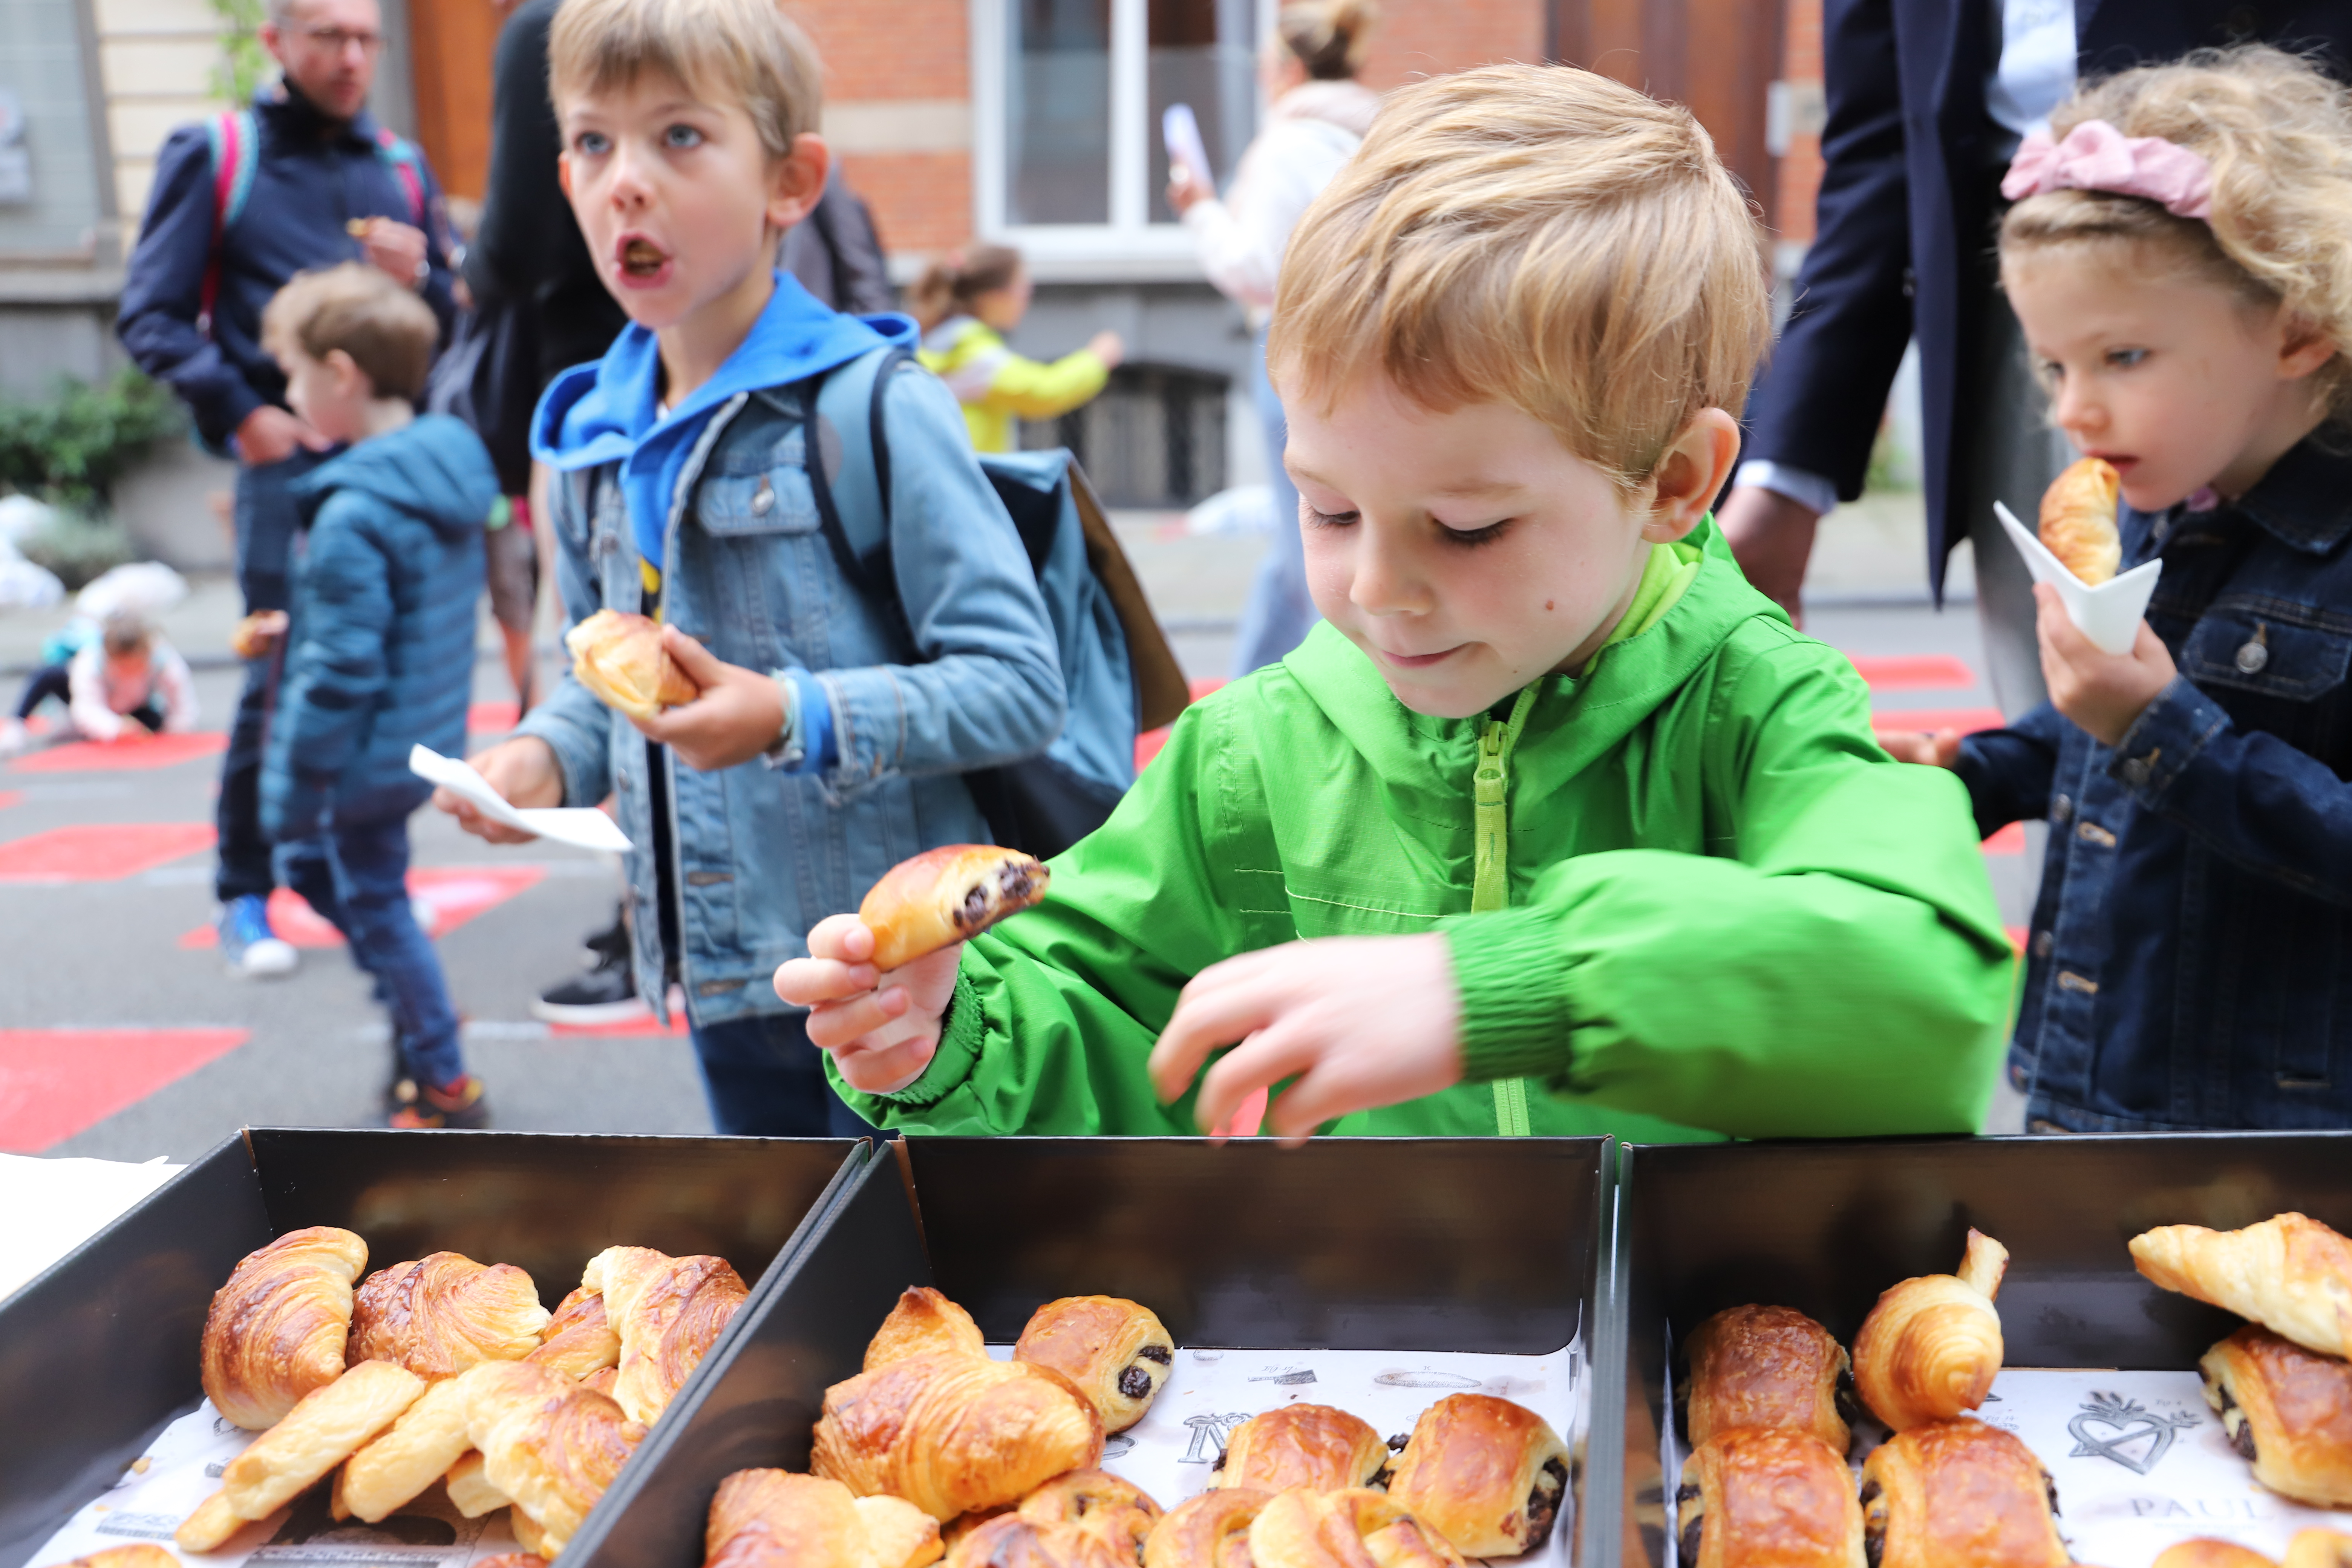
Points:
x=14, y=737
x=459, y=1103
x=607, y=994
x=248, y=945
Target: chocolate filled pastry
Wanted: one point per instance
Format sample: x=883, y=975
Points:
x=1310, y=1445
x=1116, y=1352
x=444, y=1313
x=668, y=1312
x=807, y=1522
x=922, y=1322
x=1931, y=1347
x=2078, y=520
x=276, y=1330
x=1765, y=1366
x=1958, y=1492
x=1210, y=1530
x=2207, y=1552
x=2288, y=1411
x=1351, y=1527
x=2319, y=1548
x=944, y=895
x=1010, y=1541
x=954, y=1434
x=1755, y=1497
x=2290, y=1274
x=1112, y=1507
x=580, y=1341
x=1482, y=1472
x=620, y=657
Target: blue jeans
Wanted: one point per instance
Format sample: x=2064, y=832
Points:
x=356, y=876
x=267, y=519
x=1280, y=612
x=764, y=1079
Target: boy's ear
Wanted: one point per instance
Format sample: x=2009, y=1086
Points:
x=349, y=378
x=1697, y=466
x=796, y=180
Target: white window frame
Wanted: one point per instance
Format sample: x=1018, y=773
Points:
x=1130, y=246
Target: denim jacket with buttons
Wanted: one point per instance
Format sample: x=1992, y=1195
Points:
x=759, y=854
x=2190, y=962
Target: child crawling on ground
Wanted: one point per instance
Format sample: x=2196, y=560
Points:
x=126, y=680
x=1555, y=825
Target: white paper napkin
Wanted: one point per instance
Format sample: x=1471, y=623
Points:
x=2109, y=614
x=582, y=826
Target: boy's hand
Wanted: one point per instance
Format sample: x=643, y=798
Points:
x=271, y=434
x=738, y=714
x=1933, y=749
x=393, y=249
x=1360, y=1022
x=524, y=770
x=882, y=1038
x=2103, y=692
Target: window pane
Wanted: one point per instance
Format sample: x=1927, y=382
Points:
x=1202, y=54
x=1058, y=109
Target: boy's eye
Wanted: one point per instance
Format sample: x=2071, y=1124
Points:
x=1331, y=519
x=2124, y=359
x=681, y=136
x=1473, y=537
x=592, y=143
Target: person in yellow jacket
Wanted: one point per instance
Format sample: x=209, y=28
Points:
x=966, y=302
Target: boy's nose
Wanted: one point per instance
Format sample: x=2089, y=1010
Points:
x=1383, y=582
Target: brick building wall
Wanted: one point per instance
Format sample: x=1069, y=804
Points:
x=1801, y=165
x=1432, y=37
x=899, y=111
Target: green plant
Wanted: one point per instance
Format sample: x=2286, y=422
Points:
x=244, y=62
x=71, y=448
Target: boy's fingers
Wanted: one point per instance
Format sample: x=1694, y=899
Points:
x=844, y=937
x=1205, y=1019
x=807, y=982
x=890, y=1067
x=846, y=1025
x=701, y=665
x=1260, y=1061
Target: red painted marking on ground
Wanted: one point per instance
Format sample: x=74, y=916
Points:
x=646, y=1025
x=132, y=752
x=458, y=894
x=1913, y=671
x=9, y=797
x=55, y=1082
x=101, y=852
x=492, y=718
x=1246, y=1118
x=1147, y=744
x=2010, y=840
x=1967, y=720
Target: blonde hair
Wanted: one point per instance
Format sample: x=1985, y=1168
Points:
x=2278, y=134
x=1329, y=36
x=1540, y=236
x=954, y=281
x=746, y=50
x=389, y=332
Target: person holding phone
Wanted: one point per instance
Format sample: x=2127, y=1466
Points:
x=1316, y=115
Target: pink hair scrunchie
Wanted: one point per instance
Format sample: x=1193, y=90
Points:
x=2095, y=156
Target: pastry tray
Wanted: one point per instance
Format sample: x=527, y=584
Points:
x=99, y=1354
x=2100, y=1365
x=1437, y=1254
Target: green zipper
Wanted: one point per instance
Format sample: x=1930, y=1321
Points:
x=1491, y=886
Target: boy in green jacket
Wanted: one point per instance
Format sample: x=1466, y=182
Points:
x=1557, y=826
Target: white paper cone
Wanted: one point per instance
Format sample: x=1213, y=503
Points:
x=2109, y=614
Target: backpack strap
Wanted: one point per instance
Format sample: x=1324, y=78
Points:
x=408, y=165
x=849, y=466
x=235, y=139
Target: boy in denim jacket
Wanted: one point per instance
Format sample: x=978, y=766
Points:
x=833, y=729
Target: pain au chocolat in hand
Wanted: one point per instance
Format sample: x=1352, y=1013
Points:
x=1765, y=1366
x=944, y=895
x=1931, y=1347
x=1756, y=1497
x=1484, y=1473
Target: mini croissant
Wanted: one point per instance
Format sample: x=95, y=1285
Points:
x=1210, y=1530
x=1343, y=1529
x=1116, y=1352
x=1484, y=1473
x=276, y=1330
x=1310, y=1445
x=1931, y=1347
x=620, y=657
x=2078, y=520
x=954, y=1434
x=547, y=1443
x=924, y=1321
x=444, y=1313
x=667, y=1311
x=580, y=1341
x=2290, y=1274
x=417, y=1450
x=808, y=1521
x=325, y=1428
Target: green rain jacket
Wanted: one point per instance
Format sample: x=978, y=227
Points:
x=1729, y=912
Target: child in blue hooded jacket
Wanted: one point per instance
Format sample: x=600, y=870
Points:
x=833, y=725
x=378, y=650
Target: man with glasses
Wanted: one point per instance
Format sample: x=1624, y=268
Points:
x=304, y=180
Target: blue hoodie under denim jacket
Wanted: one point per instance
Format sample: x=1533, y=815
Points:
x=2191, y=958
x=380, y=653
x=719, y=486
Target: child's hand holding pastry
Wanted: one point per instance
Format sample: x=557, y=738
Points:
x=736, y=714
x=2105, y=693
x=882, y=1038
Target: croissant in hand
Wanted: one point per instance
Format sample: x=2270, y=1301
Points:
x=1116, y=1352
x=1310, y=1445
x=1484, y=1473
x=2290, y=1274
x=1958, y=1492
x=276, y=1328
x=2078, y=520
x=1765, y=1366
x=954, y=1434
x=806, y=1522
x=2288, y=1411
x=444, y=1313
x=1752, y=1496
x=1931, y=1347
x=667, y=1311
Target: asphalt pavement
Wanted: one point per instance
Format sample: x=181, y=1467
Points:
x=122, y=1037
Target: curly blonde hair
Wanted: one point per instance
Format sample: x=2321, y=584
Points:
x=1539, y=236
x=2278, y=134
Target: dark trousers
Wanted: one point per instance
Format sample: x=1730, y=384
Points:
x=764, y=1079
x=57, y=680
x=355, y=874
x=267, y=519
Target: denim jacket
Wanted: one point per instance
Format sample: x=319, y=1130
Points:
x=2191, y=959
x=759, y=854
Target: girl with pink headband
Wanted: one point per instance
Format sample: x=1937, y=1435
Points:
x=2179, y=256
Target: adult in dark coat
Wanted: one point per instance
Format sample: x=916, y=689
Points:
x=1902, y=249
